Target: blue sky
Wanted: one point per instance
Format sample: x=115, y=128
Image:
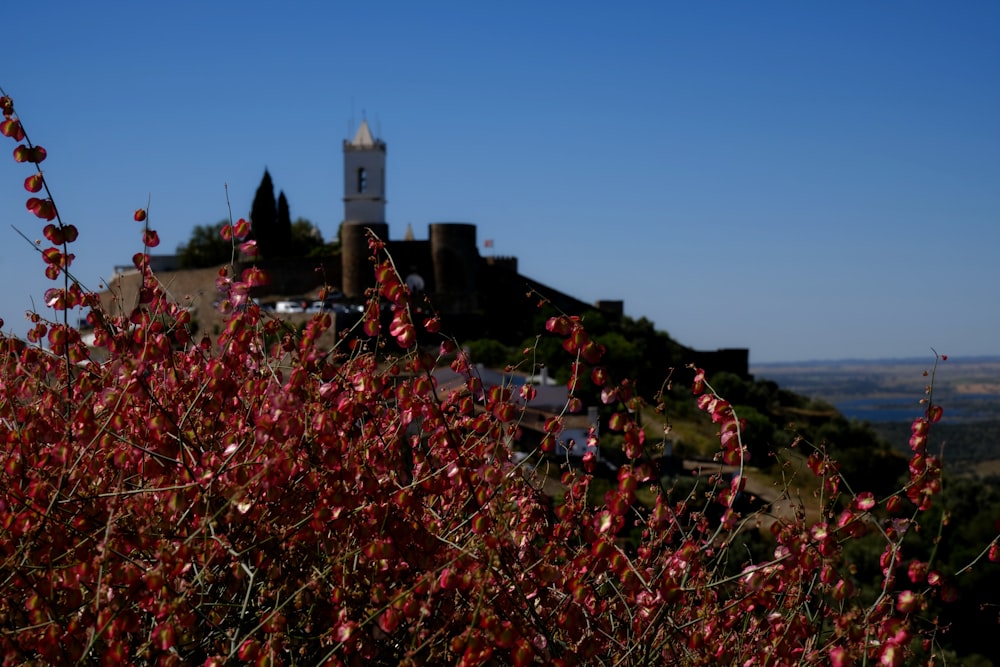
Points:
x=809, y=180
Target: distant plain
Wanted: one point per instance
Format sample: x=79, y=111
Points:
x=888, y=394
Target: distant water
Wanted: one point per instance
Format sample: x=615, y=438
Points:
x=881, y=409
x=966, y=407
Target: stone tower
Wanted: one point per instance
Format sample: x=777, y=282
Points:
x=364, y=208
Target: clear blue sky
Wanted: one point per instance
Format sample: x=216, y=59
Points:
x=809, y=180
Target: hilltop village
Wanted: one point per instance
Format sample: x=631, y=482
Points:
x=476, y=296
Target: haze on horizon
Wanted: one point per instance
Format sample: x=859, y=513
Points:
x=811, y=182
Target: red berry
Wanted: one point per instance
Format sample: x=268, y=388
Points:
x=12, y=128
x=34, y=183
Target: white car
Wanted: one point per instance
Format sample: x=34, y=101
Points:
x=289, y=307
x=329, y=307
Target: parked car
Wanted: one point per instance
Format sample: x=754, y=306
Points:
x=290, y=306
x=329, y=306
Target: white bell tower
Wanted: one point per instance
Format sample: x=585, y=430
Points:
x=364, y=178
x=364, y=209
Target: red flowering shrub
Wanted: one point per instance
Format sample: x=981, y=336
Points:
x=259, y=499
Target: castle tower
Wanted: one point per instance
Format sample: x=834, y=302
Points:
x=364, y=208
x=455, y=257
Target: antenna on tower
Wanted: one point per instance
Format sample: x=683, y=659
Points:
x=378, y=127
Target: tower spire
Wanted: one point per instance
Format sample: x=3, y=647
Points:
x=363, y=137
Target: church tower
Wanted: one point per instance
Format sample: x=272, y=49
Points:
x=364, y=178
x=364, y=208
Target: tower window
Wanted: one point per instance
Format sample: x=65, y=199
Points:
x=362, y=180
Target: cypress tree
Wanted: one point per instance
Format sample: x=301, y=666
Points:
x=283, y=229
x=264, y=219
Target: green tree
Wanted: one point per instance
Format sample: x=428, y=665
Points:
x=866, y=461
x=205, y=248
x=489, y=352
x=305, y=239
x=264, y=218
x=283, y=229
x=758, y=434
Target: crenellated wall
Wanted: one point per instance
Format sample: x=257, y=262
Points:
x=507, y=262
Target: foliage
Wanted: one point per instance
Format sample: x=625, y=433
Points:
x=968, y=443
x=272, y=239
x=866, y=461
x=205, y=248
x=306, y=239
x=283, y=227
x=491, y=353
x=633, y=349
x=241, y=501
x=966, y=518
